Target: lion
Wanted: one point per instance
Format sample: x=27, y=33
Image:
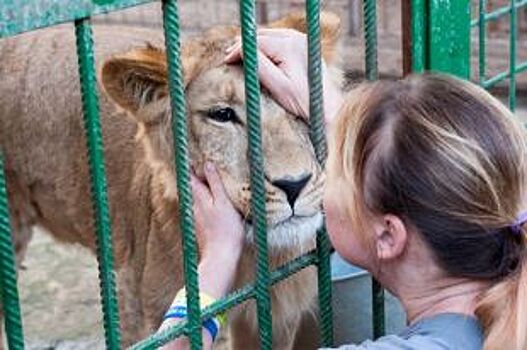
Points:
x=41, y=135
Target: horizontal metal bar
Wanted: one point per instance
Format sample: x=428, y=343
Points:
x=487, y=84
x=22, y=16
x=502, y=11
x=233, y=299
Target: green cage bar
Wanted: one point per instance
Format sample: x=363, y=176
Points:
x=92, y=126
x=179, y=130
x=370, y=37
x=252, y=102
x=318, y=138
x=8, y=275
x=22, y=16
x=514, y=67
x=500, y=12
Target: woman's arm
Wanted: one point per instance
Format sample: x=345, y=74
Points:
x=220, y=235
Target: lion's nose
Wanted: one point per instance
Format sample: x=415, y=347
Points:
x=292, y=187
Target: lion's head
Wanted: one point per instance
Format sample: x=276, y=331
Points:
x=215, y=102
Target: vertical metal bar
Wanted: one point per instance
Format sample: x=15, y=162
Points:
x=370, y=33
x=370, y=38
x=8, y=276
x=316, y=101
x=92, y=125
x=419, y=35
x=252, y=101
x=318, y=138
x=179, y=130
x=512, y=55
x=482, y=24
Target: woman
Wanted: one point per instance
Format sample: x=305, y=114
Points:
x=425, y=189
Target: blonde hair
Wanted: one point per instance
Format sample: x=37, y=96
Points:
x=450, y=160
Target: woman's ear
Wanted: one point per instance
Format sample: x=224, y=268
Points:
x=135, y=78
x=391, y=238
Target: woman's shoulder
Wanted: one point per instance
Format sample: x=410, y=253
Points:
x=441, y=332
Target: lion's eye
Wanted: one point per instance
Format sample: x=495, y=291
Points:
x=223, y=115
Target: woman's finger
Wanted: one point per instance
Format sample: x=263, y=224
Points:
x=219, y=194
x=200, y=192
x=233, y=53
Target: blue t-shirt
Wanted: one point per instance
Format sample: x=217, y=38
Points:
x=448, y=331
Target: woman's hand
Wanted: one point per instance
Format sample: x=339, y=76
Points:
x=220, y=235
x=219, y=231
x=283, y=70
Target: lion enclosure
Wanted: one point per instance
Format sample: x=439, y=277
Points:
x=65, y=295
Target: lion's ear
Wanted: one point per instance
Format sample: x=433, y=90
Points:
x=329, y=30
x=136, y=78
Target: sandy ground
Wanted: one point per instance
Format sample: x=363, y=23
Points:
x=60, y=296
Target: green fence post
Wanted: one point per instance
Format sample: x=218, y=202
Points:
x=179, y=130
x=441, y=36
x=92, y=126
x=449, y=37
x=252, y=102
x=318, y=138
x=8, y=281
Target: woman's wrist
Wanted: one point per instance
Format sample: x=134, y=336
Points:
x=217, y=270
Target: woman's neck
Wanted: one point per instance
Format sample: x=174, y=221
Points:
x=425, y=289
x=448, y=295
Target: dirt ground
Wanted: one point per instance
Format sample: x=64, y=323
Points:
x=59, y=295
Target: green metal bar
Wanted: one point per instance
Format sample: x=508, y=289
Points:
x=21, y=16
x=179, y=130
x=419, y=37
x=233, y=299
x=252, y=101
x=449, y=37
x=512, y=56
x=92, y=126
x=482, y=32
x=370, y=36
x=8, y=285
x=487, y=84
x=496, y=14
x=316, y=100
x=318, y=138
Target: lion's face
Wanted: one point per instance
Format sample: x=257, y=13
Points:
x=215, y=102
x=293, y=178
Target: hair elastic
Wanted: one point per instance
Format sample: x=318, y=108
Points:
x=516, y=228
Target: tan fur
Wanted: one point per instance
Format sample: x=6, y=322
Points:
x=42, y=137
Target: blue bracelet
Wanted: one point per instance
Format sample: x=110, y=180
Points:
x=176, y=312
x=211, y=325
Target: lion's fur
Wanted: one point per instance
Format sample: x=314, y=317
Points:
x=41, y=135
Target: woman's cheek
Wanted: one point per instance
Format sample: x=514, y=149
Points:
x=343, y=238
